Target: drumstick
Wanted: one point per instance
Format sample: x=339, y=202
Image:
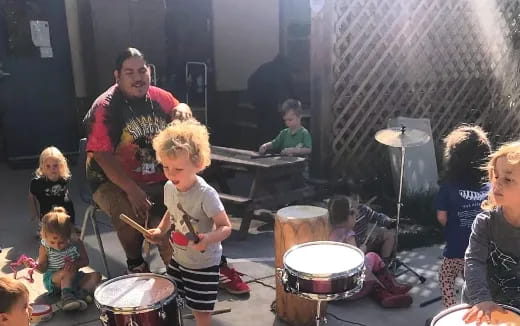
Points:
x=369, y=234
x=146, y=244
x=134, y=224
x=371, y=200
x=374, y=227
x=374, y=278
x=215, y=312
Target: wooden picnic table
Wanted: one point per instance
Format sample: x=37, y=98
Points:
x=271, y=182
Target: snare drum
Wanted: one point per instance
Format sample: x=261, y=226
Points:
x=323, y=270
x=139, y=300
x=453, y=317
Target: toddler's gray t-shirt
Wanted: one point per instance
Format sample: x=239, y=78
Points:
x=202, y=203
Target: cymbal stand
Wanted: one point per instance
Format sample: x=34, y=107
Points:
x=396, y=262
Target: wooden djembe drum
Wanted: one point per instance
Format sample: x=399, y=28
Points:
x=296, y=225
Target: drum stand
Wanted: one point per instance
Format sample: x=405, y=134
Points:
x=396, y=262
x=319, y=318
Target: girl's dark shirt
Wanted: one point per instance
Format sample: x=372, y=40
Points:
x=52, y=194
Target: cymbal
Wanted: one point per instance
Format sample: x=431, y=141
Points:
x=402, y=137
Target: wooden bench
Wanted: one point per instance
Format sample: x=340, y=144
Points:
x=242, y=206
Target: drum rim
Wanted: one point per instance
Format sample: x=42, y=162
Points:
x=464, y=306
x=311, y=276
x=284, y=217
x=45, y=312
x=141, y=309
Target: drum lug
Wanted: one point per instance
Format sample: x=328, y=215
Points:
x=162, y=314
x=104, y=319
x=282, y=276
x=280, y=273
x=132, y=322
x=180, y=302
x=297, y=286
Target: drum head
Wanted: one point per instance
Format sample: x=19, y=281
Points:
x=301, y=212
x=136, y=292
x=453, y=317
x=324, y=258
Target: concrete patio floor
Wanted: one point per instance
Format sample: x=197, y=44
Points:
x=253, y=257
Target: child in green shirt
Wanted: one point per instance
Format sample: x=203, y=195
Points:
x=294, y=140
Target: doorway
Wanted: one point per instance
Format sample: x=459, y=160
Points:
x=37, y=101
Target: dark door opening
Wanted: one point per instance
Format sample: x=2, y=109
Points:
x=37, y=105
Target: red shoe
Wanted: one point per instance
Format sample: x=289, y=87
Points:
x=390, y=283
x=230, y=281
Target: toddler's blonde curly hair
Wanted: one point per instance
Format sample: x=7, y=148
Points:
x=184, y=136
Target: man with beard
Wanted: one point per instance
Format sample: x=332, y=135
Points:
x=121, y=168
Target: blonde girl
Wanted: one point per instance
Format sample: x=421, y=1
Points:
x=492, y=261
x=50, y=186
x=60, y=258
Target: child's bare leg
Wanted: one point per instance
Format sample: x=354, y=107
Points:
x=388, y=243
x=63, y=279
x=202, y=318
x=90, y=281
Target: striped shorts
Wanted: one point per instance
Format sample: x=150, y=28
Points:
x=199, y=287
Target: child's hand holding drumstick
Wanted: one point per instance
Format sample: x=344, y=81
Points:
x=152, y=235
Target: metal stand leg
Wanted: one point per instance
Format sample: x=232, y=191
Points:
x=318, y=312
x=320, y=318
x=399, y=203
x=100, y=243
x=87, y=215
x=90, y=213
x=396, y=263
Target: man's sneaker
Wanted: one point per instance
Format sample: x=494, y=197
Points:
x=69, y=302
x=143, y=268
x=230, y=281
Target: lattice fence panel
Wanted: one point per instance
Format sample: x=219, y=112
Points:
x=450, y=61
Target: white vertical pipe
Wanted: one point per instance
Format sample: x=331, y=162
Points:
x=76, y=53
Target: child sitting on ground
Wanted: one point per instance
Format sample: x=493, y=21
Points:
x=183, y=149
x=492, y=260
x=14, y=303
x=294, y=140
x=60, y=258
x=50, y=184
x=379, y=282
